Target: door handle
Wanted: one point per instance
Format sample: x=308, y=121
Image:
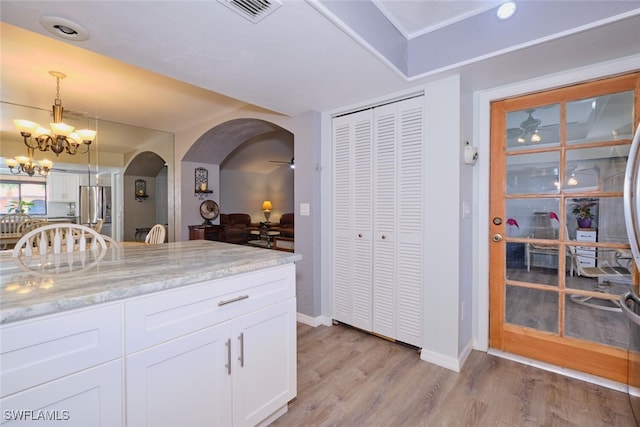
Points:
x=241, y=357
x=496, y=237
x=232, y=300
x=228, y=364
x=631, y=315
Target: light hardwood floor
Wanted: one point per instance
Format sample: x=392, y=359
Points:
x=350, y=378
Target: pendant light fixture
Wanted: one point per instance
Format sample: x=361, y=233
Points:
x=25, y=164
x=61, y=137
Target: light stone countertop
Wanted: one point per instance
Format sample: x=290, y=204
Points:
x=33, y=288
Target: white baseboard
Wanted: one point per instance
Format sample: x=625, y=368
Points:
x=452, y=363
x=313, y=321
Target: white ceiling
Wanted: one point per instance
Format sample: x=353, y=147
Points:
x=169, y=65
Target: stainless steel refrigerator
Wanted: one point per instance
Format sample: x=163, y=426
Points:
x=95, y=204
x=630, y=300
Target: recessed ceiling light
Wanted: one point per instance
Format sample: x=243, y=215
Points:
x=64, y=28
x=506, y=10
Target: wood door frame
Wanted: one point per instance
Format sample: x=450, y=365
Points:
x=589, y=357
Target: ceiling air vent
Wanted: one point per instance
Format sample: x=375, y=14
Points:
x=253, y=10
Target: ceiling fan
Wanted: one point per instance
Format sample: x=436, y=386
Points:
x=291, y=164
x=528, y=130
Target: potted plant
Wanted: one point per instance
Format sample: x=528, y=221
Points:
x=20, y=206
x=581, y=208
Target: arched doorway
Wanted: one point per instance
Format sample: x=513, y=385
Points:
x=145, y=192
x=248, y=161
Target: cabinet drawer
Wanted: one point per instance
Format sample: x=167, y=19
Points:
x=160, y=317
x=37, y=351
x=585, y=236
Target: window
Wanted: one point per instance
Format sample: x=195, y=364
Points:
x=31, y=196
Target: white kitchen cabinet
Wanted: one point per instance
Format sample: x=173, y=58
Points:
x=221, y=352
x=586, y=255
x=218, y=353
x=62, y=188
x=183, y=382
x=91, y=397
x=264, y=362
x=378, y=276
x=67, y=366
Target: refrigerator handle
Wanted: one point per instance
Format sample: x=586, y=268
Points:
x=632, y=197
x=629, y=296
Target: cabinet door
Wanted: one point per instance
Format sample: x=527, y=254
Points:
x=87, y=398
x=183, y=382
x=62, y=188
x=353, y=193
x=264, y=372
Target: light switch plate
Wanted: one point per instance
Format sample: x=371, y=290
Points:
x=304, y=209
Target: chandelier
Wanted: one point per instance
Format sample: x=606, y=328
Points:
x=61, y=137
x=26, y=164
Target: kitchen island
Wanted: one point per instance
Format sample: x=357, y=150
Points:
x=184, y=333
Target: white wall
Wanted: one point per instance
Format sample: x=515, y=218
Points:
x=244, y=192
x=306, y=132
x=189, y=204
x=443, y=264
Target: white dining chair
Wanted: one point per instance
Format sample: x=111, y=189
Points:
x=156, y=235
x=58, y=238
x=9, y=228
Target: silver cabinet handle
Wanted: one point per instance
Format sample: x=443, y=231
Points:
x=228, y=364
x=241, y=357
x=236, y=299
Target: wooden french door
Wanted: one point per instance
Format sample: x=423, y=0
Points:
x=555, y=282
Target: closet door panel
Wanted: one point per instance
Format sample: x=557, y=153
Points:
x=362, y=216
x=410, y=221
x=385, y=219
x=342, y=219
x=352, y=219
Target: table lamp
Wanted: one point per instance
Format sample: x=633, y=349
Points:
x=266, y=207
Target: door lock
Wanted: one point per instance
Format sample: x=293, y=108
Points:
x=497, y=221
x=497, y=237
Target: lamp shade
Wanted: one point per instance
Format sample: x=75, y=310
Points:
x=25, y=126
x=266, y=205
x=87, y=134
x=61, y=129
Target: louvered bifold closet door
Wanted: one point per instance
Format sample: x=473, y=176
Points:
x=410, y=222
x=398, y=248
x=384, y=220
x=352, y=216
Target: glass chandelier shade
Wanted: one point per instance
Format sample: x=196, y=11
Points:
x=61, y=137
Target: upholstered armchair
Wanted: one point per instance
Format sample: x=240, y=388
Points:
x=236, y=227
x=286, y=225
